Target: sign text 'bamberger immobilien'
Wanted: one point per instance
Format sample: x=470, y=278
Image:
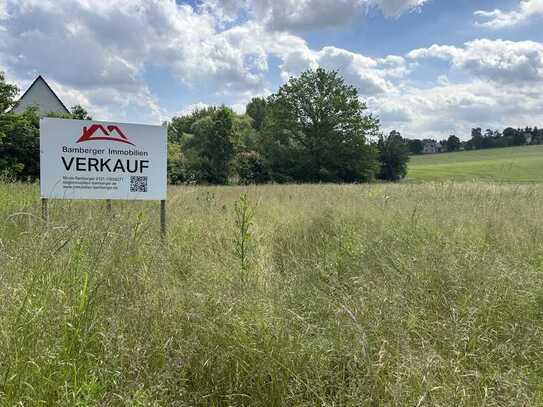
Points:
x=82, y=159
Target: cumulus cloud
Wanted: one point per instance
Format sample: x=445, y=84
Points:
x=394, y=8
x=304, y=14
x=369, y=75
x=391, y=112
x=307, y=14
x=501, y=86
x=105, y=48
x=87, y=48
x=496, y=60
x=96, y=46
x=454, y=108
x=498, y=18
x=191, y=108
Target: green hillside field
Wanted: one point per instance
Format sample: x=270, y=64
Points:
x=514, y=164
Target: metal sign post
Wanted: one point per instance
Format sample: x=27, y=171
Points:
x=163, y=219
x=45, y=210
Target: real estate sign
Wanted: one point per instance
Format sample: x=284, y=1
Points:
x=81, y=159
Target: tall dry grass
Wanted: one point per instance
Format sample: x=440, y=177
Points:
x=295, y=295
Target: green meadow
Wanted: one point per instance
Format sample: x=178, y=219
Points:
x=423, y=294
x=513, y=164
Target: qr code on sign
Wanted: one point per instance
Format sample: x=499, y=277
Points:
x=138, y=184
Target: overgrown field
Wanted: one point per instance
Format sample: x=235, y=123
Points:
x=514, y=164
x=408, y=295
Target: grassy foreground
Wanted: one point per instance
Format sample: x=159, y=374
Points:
x=514, y=164
x=416, y=295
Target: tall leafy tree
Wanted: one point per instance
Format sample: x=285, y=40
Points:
x=19, y=137
x=8, y=92
x=20, y=145
x=212, y=147
x=519, y=139
x=184, y=167
x=256, y=110
x=453, y=143
x=510, y=132
x=415, y=146
x=317, y=130
x=180, y=126
x=393, y=157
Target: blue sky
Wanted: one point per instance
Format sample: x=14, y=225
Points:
x=428, y=68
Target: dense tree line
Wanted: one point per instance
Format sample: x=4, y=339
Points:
x=510, y=137
x=315, y=128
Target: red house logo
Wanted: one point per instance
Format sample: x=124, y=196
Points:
x=100, y=132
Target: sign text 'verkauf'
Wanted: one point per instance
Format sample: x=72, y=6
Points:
x=99, y=160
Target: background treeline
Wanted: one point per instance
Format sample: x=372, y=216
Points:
x=509, y=137
x=314, y=129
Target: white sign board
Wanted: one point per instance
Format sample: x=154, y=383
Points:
x=81, y=159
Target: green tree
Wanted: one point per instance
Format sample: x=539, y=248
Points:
x=256, y=110
x=212, y=147
x=509, y=132
x=393, y=157
x=251, y=168
x=316, y=130
x=519, y=139
x=8, y=92
x=453, y=143
x=180, y=126
x=20, y=145
x=78, y=112
x=177, y=172
x=415, y=146
x=476, y=141
x=19, y=137
x=244, y=133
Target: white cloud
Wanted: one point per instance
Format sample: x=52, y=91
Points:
x=283, y=15
x=498, y=18
x=369, y=75
x=304, y=14
x=498, y=60
x=455, y=108
x=394, y=8
x=97, y=46
x=502, y=87
x=391, y=112
x=98, y=51
x=188, y=109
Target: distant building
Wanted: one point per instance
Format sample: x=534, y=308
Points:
x=41, y=95
x=433, y=147
x=429, y=147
